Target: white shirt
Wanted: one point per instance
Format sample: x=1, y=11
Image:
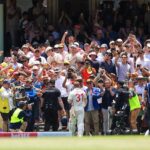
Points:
x=100, y=57
x=77, y=97
x=147, y=61
x=58, y=84
x=33, y=59
x=29, y=55
x=57, y=57
x=140, y=90
x=69, y=85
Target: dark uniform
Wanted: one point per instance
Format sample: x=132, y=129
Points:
x=147, y=88
x=50, y=107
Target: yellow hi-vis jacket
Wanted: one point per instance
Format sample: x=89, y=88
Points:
x=4, y=102
x=134, y=103
x=14, y=117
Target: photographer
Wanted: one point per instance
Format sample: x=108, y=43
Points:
x=120, y=109
x=135, y=106
x=121, y=97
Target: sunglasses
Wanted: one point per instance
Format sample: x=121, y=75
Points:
x=89, y=82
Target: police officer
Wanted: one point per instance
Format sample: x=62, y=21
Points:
x=51, y=98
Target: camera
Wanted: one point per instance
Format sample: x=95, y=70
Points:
x=39, y=59
x=69, y=75
x=138, y=65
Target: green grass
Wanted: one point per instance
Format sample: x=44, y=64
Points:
x=75, y=143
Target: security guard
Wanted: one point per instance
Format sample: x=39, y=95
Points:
x=18, y=118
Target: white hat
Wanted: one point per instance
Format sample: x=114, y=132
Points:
x=111, y=42
x=92, y=53
x=76, y=43
x=56, y=46
x=73, y=46
x=25, y=46
x=148, y=45
x=104, y=46
x=119, y=40
x=48, y=49
x=35, y=68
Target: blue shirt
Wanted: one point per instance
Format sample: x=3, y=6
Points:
x=147, y=88
x=95, y=97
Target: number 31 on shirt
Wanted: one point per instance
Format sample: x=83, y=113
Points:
x=79, y=97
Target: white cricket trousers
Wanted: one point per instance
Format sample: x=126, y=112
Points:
x=78, y=120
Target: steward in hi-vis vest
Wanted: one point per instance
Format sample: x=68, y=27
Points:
x=18, y=118
x=6, y=103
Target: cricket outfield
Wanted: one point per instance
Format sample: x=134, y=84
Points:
x=76, y=143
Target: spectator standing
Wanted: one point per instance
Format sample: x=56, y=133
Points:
x=92, y=109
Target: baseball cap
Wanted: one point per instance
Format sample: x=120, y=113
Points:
x=35, y=44
x=6, y=82
x=56, y=70
x=79, y=78
x=104, y=46
x=92, y=76
x=108, y=52
x=89, y=81
x=100, y=80
x=66, y=62
x=51, y=71
x=21, y=104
